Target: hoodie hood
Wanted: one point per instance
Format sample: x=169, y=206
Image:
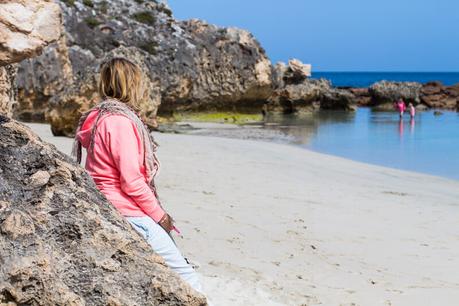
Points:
x=84, y=135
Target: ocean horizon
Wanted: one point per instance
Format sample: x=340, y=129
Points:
x=366, y=79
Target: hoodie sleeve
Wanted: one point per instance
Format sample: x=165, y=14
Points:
x=125, y=145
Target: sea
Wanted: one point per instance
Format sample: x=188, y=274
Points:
x=429, y=143
x=366, y=79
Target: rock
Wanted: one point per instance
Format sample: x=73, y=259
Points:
x=309, y=95
x=437, y=113
x=63, y=243
x=191, y=65
x=40, y=79
x=362, y=96
x=302, y=97
x=26, y=26
x=38, y=179
x=7, y=89
x=297, y=71
x=435, y=95
x=294, y=73
x=338, y=99
x=384, y=93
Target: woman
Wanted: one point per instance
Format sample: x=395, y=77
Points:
x=121, y=159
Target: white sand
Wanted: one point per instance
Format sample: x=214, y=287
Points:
x=274, y=224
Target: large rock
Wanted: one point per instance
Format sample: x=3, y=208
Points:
x=61, y=241
x=25, y=28
x=436, y=95
x=302, y=97
x=338, y=99
x=307, y=96
x=362, y=95
x=295, y=72
x=190, y=65
x=384, y=93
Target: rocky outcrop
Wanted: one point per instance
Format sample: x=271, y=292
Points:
x=189, y=65
x=25, y=28
x=384, y=93
x=362, y=96
x=61, y=241
x=436, y=95
x=294, y=92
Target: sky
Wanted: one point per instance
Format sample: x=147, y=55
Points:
x=343, y=35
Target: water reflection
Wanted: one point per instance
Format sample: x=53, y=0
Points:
x=412, y=124
x=427, y=144
x=400, y=127
x=304, y=127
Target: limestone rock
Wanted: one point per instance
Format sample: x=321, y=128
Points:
x=63, y=243
x=384, y=93
x=297, y=70
x=293, y=96
x=26, y=26
x=436, y=95
x=362, y=96
x=338, y=99
x=191, y=65
x=7, y=89
x=294, y=73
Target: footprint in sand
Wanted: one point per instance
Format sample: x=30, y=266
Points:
x=401, y=194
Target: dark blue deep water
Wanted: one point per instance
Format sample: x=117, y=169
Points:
x=428, y=144
x=365, y=79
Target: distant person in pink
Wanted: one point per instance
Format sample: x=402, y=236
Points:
x=412, y=110
x=400, y=105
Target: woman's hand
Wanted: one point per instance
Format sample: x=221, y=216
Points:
x=167, y=223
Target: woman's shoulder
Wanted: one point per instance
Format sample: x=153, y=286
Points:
x=116, y=122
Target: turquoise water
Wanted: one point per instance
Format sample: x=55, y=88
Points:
x=365, y=79
x=428, y=144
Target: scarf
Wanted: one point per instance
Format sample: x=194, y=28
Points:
x=112, y=106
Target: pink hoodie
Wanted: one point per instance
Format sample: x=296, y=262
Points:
x=117, y=165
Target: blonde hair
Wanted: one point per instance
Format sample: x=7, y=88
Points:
x=121, y=79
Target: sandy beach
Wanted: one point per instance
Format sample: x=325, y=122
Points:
x=273, y=224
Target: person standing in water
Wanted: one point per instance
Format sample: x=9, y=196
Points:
x=122, y=161
x=401, y=107
x=412, y=110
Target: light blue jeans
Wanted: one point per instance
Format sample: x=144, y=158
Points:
x=163, y=245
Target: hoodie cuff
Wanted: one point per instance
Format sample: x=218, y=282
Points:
x=157, y=215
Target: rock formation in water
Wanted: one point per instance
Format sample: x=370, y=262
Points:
x=61, y=241
x=189, y=65
x=25, y=28
x=384, y=93
x=295, y=92
x=436, y=95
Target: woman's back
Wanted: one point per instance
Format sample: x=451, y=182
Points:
x=115, y=161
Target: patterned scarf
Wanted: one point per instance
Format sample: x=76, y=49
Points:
x=112, y=106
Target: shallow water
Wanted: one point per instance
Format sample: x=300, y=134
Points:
x=428, y=144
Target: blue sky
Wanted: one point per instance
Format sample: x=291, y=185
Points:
x=343, y=35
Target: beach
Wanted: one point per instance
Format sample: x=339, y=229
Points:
x=274, y=224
